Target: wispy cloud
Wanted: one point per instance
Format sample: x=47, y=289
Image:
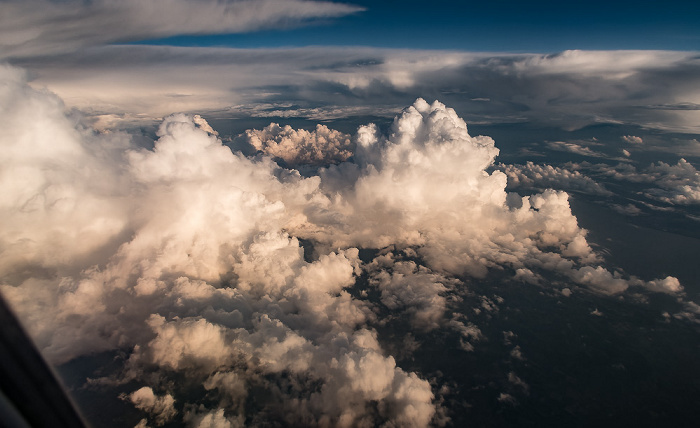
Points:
x=570, y=90
x=36, y=27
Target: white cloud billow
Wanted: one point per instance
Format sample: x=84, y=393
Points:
x=45, y=27
x=674, y=184
x=572, y=89
x=301, y=147
x=531, y=175
x=188, y=256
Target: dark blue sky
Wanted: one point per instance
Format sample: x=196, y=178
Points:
x=514, y=26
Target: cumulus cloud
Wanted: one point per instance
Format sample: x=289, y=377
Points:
x=296, y=147
x=574, y=148
x=417, y=187
x=533, y=175
x=188, y=258
x=405, y=285
x=39, y=27
x=680, y=183
x=160, y=407
x=629, y=209
x=632, y=139
x=673, y=184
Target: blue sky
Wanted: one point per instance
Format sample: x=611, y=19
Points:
x=505, y=26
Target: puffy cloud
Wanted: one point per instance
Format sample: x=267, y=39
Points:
x=188, y=257
x=574, y=148
x=160, y=407
x=533, y=175
x=54, y=179
x=680, y=183
x=517, y=353
x=629, y=209
x=413, y=288
x=632, y=139
x=425, y=185
x=668, y=285
x=673, y=184
x=600, y=279
x=37, y=27
x=211, y=419
x=507, y=398
x=297, y=147
x=526, y=275
x=515, y=380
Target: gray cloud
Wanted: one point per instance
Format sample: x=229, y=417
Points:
x=574, y=148
x=677, y=184
x=36, y=27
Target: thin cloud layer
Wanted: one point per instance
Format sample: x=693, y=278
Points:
x=570, y=90
x=301, y=147
x=188, y=257
x=40, y=27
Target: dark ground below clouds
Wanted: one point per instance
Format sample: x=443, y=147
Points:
x=628, y=366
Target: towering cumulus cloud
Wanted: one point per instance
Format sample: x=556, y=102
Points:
x=301, y=147
x=188, y=258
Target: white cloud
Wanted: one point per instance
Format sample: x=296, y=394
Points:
x=161, y=407
x=673, y=184
x=569, y=90
x=40, y=27
x=413, y=288
x=680, y=183
x=211, y=419
x=517, y=353
x=296, y=147
x=187, y=256
x=632, y=139
x=515, y=380
x=533, y=175
x=425, y=185
x=629, y=209
x=526, y=275
x=574, y=148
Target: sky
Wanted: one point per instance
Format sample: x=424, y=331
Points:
x=313, y=213
x=503, y=26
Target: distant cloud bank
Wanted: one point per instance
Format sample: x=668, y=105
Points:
x=569, y=90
